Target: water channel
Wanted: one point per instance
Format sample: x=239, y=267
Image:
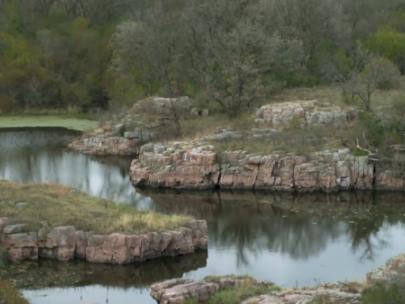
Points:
x=291, y=240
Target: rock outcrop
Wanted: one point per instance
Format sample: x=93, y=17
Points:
x=179, y=291
x=150, y=119
x=107, y=140
x=303, y=113
x=177, y=166
x=388, y=273
x=198, y=166
x=67, y=243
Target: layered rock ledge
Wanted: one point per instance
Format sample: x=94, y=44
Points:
x=66, y=243
x=195, y=165
x=303, y=112
x=107, y=140
x=149, y=119
x=179, y=291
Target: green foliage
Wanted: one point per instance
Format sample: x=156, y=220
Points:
x=377, y=73
x=234, y=54
x=55, y=62
x=391, y=44
x=372, y=130
x=383, y=294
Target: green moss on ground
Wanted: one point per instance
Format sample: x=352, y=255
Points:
x=9, y=294
x=61, y=206
x=62, y=121
x=248, y=289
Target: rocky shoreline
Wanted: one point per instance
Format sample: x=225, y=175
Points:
x=179, y=291
x=187, y=165
x=66, y=243
x=199, y=165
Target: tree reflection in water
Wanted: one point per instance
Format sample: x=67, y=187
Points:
x=298, y=225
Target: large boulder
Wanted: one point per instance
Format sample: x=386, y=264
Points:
x=179, y=165
x=304, y=113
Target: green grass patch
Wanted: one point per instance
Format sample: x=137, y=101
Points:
x=62, y=121
x=62, y=206
x=9, y=294
x=248, y=289
x=359, y=152
x=301, y=141
x=384, y=294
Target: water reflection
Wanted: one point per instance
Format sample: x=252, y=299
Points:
x=312, y=237
x=38, y=156
x=285, y=238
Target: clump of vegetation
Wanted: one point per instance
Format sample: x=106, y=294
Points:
x=60, y=206
x=9, y=294
x=249, y=288
x=383, y=294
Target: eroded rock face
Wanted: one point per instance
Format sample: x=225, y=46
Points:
x=304, y=113
x=198, y=166
x=176, y=166
x=66, y=243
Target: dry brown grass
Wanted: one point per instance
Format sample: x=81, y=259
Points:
x=9, y=294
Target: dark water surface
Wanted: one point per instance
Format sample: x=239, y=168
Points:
x=292, y=240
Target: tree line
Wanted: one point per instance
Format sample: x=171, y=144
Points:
x=83, y=54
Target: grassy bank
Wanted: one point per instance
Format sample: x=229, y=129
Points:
x=248, y=289
x=9, y=294
x=60, y=206
x=62, y=121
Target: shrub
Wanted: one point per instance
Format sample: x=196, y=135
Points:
x=382, y=294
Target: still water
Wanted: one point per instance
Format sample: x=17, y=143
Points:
x=292, y=240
